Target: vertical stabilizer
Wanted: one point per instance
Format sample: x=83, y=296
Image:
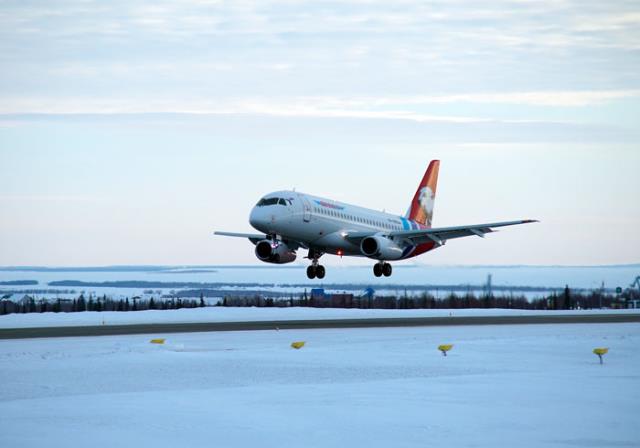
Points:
x=421, y=208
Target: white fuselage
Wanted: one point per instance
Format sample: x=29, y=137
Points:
x=290, y=221
x=321, y=223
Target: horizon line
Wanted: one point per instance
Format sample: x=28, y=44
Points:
x=296, y=266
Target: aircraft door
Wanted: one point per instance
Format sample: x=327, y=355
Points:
x=306, y=208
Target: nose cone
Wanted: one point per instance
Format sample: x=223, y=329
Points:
x=258, y=220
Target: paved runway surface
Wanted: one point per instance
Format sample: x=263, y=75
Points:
x=106, y=330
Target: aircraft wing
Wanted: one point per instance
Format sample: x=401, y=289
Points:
x=253, y=237
x=440, y=235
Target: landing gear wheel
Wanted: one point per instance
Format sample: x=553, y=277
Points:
x=311, y=272
x=387, y=270
x=320, y=271
x=377, y=270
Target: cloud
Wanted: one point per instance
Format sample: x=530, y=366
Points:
x=544, y=98
x=49, y=198
x=389, y=107
x=353, y=58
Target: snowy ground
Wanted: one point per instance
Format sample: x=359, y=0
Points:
x=522, y=385
x=224, y=314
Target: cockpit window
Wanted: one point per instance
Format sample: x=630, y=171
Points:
x=271, y=201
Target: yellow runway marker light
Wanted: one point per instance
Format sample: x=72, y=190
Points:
x=157, y=341
x=601, y=352
x=297, y=345
x=444, y=348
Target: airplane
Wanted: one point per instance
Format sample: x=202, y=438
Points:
x=290, y=221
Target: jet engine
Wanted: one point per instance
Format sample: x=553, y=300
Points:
x=274, y=252
x=381, y=248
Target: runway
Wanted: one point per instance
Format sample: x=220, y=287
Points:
x=159, y=329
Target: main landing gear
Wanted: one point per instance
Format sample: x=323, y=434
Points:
x=382, y=268
x=316, y=270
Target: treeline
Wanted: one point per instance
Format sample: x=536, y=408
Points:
x=104, y=303
x=567, y=300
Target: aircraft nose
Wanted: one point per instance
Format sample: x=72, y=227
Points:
x=257, y=219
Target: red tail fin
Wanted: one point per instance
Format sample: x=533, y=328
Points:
x=421, y=209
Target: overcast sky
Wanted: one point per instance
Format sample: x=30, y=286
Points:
x=129, y=131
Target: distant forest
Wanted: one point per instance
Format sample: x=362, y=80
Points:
x=566, y=300
x=92, y=303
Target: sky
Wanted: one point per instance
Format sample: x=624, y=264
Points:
x=130, y=131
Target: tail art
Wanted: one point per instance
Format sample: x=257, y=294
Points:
x=421, y=210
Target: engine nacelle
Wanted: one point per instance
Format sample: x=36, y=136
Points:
x=278, y=252
x=381, y=248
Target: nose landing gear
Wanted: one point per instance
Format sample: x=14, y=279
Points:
x=382, y=268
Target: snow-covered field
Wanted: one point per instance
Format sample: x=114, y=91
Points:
x=224, y=314
x=522, y=385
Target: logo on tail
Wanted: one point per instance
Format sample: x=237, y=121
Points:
x=421, y=210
